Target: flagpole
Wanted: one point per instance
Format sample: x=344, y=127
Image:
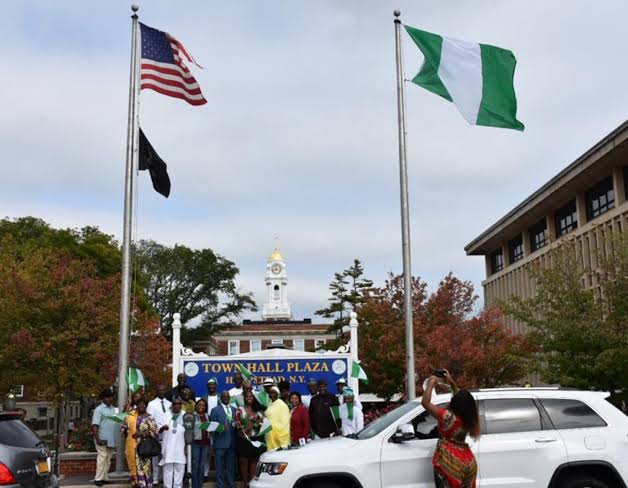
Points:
x=405, y=216
x=125, y=292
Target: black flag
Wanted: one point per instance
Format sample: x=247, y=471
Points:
x=150, y=160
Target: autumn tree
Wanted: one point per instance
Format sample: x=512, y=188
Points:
x=197, y=283
x=475, y=347
x=348, y=289
x=581, y=332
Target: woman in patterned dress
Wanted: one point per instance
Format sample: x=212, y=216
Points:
x=454, y=462
x=248, y=420
x=145, y=426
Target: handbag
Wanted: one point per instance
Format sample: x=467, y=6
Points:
x=148, y=447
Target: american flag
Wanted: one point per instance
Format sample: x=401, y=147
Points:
x=162, y=67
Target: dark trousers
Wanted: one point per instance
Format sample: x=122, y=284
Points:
x=200, y=456
x=225, y=467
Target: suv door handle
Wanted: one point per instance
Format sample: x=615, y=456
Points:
x=545, y=439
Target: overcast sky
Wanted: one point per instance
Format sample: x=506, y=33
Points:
x=299, y=134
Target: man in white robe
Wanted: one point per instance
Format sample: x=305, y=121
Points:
x=159, y=408
x=351, y=414
x=173, y=447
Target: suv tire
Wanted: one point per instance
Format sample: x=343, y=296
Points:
x=582, y=481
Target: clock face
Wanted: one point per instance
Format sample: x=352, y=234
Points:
x=276, y=268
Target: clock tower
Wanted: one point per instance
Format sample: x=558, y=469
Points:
x=276, y=306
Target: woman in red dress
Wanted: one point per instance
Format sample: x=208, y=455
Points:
x=454, y=462
x=299, y=419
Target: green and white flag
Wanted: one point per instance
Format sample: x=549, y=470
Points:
x=358, y=372
x=263, y=398
x=246, y=374
x=477, y=78
x=212, y=427
x=266, y=427
x=135, y=379
x=118, y=418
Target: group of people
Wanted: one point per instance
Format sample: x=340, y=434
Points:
x=232, y=427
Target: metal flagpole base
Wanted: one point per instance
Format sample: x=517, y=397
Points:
x=119, y=475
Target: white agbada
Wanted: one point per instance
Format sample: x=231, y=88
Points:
x=212, y=401
x=159, y=408
x=173, y=441
x=351, y=426
x=306, y=399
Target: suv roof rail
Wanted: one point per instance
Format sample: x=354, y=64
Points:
x=524, y=388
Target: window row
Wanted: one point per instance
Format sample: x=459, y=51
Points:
x=255, y=345
x=600, y=198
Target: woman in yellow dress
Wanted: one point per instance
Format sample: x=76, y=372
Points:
x=128, y=429
x=278, y=414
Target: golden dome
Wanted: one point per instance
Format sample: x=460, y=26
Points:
x=276, y=256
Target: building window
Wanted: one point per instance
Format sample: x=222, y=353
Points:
x=538, y=235
x=298, y=345
x=318, y=344
x=277, y=342
x=497, y=261
x=600, y=198
x=234, y=347
x=255, y=345
x=42, y=411
x=276, y=294
x=18, y=390
x=515, y=249
x=566, y=219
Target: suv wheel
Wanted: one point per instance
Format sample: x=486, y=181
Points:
x=580, y=481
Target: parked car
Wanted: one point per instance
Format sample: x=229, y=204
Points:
x=531, y=437
x=24, y=458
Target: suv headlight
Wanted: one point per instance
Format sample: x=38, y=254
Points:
x=271, y=468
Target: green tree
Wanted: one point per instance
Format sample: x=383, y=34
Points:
x=86, y=243
x=198, y=284
x=582, y=333
x=347, y=294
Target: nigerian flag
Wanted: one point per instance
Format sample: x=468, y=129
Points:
x=135, y=380
x=358, y=372
x=118, y=418
x=246, y=374
x=477, y=78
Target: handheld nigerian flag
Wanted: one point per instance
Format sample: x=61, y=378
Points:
x=477, y=78
x=358, y=372
x=135, y=379
x=246, y=374
x=118, y=418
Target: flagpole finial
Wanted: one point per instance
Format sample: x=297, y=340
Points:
x=135, y=7
x=397, y=13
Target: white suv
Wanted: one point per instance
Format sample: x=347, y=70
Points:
x=531, y=437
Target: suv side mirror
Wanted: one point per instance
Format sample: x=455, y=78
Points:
x=405, y=432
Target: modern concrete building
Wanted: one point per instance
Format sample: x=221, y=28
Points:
x=585, y=203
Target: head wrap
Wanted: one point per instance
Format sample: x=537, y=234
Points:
x=274, y=388
x=348, y=392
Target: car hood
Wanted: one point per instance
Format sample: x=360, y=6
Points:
x=331, y=447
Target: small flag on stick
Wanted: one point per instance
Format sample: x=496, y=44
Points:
x=335, y=412
x=266, y=427
x=246, y=374
x=477, y=78
x=212, y=427
x=136, y=380
x=118, y=418
x=358, y=372
x=262, y=398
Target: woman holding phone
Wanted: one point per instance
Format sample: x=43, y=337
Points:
x=454, y=463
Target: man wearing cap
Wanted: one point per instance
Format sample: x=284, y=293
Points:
x=321, y=417
x=351, y=414
x=104, y=432
x=340, y=386
x=311, y=386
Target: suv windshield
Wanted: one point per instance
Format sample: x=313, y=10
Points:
x=384, y=422
x=14, y=432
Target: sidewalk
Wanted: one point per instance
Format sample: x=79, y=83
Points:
x=88, y=482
